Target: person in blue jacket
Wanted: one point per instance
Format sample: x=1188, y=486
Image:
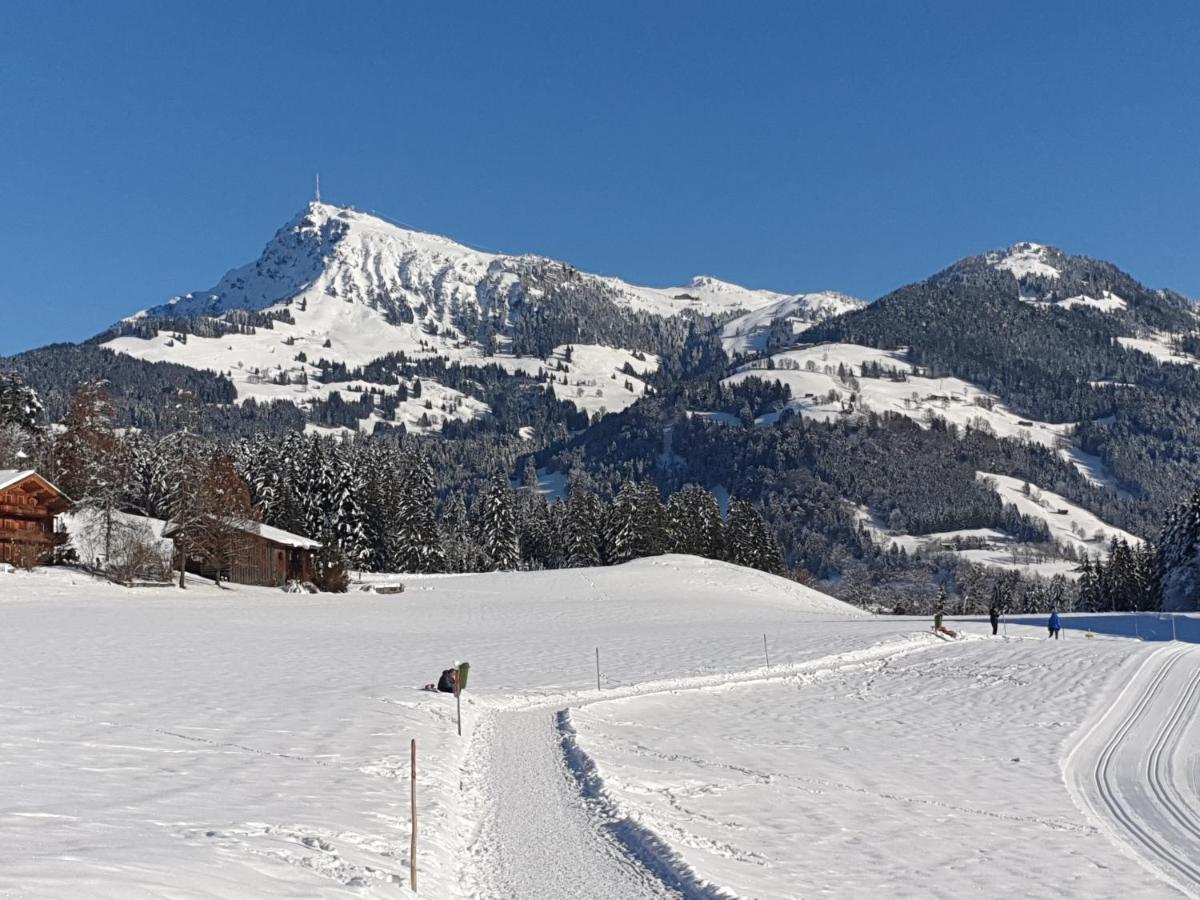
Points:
x=1055, y=625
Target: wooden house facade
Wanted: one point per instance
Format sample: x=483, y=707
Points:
x=268, y=556
x=28, y=507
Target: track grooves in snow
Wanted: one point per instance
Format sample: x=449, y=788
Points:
x=1145, y=798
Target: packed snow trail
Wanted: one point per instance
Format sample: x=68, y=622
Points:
x=539, y=837
x=1136, y=770
x=545, y=826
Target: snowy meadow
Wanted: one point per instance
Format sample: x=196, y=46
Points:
x=246, y=742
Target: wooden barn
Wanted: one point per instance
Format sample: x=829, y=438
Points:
x=270, y=556
x=28, y=507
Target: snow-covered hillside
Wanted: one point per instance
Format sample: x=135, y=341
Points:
x=1027, y=259
x=827, y=382
x=776, y=325
x=1069, y=524
x=349, y=288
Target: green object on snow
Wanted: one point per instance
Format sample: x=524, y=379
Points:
x=464, y=669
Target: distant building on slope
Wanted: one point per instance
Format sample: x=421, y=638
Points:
x=267, y=556
x=29, y=505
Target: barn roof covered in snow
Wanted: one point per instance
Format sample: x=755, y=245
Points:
x=266, y=532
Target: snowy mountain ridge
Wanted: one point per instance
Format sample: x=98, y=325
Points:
x=334, y=251
x=349, y=288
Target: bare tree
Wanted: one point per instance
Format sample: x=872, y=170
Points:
x=211, y=516
x=90, y=461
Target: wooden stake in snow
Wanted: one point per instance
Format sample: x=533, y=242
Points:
x=766, y=652
x=412, y=850
x=597, y=668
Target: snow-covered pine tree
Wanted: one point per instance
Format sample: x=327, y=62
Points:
x=347, y=518
x=416, y=544
x=748, y=543
x=19, y=404
x=497, y=525
x=649, y=521
x=1089, y=589
x=460, y=547
x=694, y=523
x=584, y=528
x=1179, y=557
x=620, y=526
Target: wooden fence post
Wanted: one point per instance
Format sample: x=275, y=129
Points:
x=412, y=850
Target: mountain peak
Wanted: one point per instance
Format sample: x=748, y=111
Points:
x=1026, y=258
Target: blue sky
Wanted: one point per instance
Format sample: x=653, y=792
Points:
x=145, y=148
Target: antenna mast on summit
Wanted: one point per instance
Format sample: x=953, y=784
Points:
x=318, y=187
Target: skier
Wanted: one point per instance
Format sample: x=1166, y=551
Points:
x=994, y=616
x=1055, y=625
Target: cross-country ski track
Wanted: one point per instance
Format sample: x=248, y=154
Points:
x=545, y=826
x=1135, y=770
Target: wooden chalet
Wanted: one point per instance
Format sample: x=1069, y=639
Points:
x=271, y=557
x=28, y=507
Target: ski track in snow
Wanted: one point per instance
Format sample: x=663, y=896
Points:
x=535, y=794
x=1145, y=799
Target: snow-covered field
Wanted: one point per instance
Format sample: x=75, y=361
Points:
x=936, y=773
x=251, y=743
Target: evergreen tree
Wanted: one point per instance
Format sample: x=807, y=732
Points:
x=748, y=543
x=416, y=544
x=461, y=549
x=584, y=528
x=497, y=526
x=620, y=526
x=694, y=523
x=1179, y=557
x=19, y=404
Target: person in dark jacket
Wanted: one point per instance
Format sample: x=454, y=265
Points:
x=448, y=682
x=1054, y=624
x=994, y=617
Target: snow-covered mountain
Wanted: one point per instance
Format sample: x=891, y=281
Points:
x=349, y=288
x=331, y=251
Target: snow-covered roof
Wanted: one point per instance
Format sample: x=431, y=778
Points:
x=9, y=477
x=266, y=532
x=279, y=536
x=12, y=476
